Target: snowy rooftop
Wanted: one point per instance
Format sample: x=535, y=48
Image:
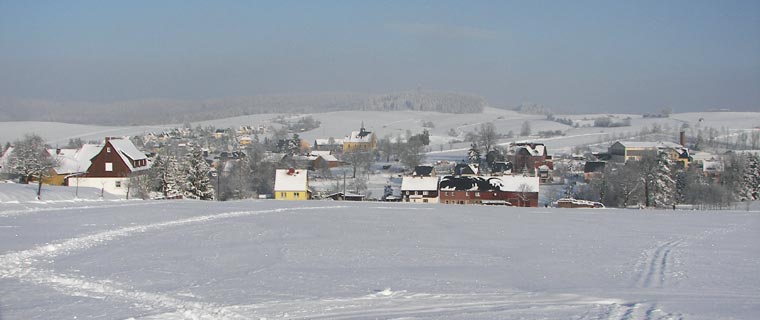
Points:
x=359, y=136
x=651, y=144
x=290, y=180
x=419, y=183
x=485, y=183
x=127, y=150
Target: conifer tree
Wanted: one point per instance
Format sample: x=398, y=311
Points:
x=473, y=155
x=196, y=171
x=750, y=189
x=659, y=185
x=168, y=176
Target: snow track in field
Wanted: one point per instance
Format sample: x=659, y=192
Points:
x=85, y=206
x=401, y=304
x=23, y=265
x=656, y=265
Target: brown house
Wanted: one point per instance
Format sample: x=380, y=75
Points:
x=529, y=156
x=111, y=167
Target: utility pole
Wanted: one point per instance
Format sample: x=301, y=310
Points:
x=39, y=186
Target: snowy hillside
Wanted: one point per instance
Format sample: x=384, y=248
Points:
x=338, y=260
x=443, y=144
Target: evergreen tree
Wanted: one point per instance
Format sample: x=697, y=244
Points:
x=473, y=155
x=168, y=174
x=197, y=184
x=660, y=183
x=751, y=182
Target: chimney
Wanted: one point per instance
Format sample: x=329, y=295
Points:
x=108, y=139
x=682, y=138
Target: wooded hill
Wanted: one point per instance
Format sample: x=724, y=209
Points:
x=161, y=111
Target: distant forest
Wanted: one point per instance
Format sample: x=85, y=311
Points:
x=162, y=111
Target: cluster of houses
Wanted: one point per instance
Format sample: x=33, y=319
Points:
x=105, y=166
x=711, y=165
x=425, y=186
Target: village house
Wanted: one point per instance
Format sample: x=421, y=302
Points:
x=332, y=145
x=111, y=166
x=593, y=170
x=528, y=157
x=291, y=184
x=360, y=141
x=421, y=186
x=245, y=140
x=516, y=191
x=323, y=159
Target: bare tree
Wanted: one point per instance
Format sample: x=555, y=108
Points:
x=524, y=191
x=30, y=158
x=412, y=155
x=487, y=136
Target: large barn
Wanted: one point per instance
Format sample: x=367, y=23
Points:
x=502, y=190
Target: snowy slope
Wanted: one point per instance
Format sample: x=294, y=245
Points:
x=339, y=260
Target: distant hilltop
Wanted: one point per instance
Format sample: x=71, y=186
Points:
x=162, y=111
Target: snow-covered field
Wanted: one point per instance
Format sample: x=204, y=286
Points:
x=339, y=260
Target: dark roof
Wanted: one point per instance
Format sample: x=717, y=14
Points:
x=363, y=132
x=423, y=171
x=469, y=183
x=463, y=168
x=594, y=166
x=501, y=166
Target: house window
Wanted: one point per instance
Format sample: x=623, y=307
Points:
x=296, y=194
x=108, y=149
x=425, y=200
x=424, y=193
x=466, y=194
x=109, y=166
x=477, y=194
x=282, y=194
x=118, y=184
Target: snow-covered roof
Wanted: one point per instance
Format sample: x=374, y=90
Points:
x=410, y=183
x=650, y=144
x=485, y=183
x=538, y=150
x=712, y=165
x=128, y=152
x=321, y=153
x=328, y=157
x=702, y=156
x=74, y=160
x=359, y=136
x=290, y=180
x=127, y=148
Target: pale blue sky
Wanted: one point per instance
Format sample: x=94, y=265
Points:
x=572, y=55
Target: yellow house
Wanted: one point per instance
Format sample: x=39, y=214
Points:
x=291, y=184
x=360, y=141
x=245, y=140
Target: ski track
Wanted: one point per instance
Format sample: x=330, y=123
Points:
x=22, y=265
x=656, y=265
x=16, y=212
x=391, y=305
x=640, y=311
x=25, y=265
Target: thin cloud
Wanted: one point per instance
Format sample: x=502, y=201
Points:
x=441, y=31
